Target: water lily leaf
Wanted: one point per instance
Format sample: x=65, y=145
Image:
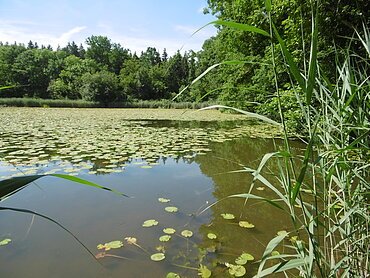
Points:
x=163, y=200
x=282, y=233
x=150, y=223
x=236, y=270
x=172, y=275
x=131, y=240
x=157, y=257
x=244, y=258
x=204, y=272
x=187, y=233
x=211, y=236
x=169, y=231
x=228, y=216
x=110, y=245
x=5, y=241
x=275, y=253
x=171, y=209
x=246, y=224
x=165, y=238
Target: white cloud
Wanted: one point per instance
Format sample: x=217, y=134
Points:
x=23, y=32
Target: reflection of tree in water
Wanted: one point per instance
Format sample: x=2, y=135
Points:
x=232, y=239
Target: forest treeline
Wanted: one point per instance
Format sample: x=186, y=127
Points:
x=105, y=71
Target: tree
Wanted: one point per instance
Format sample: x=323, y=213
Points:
x=102, y=86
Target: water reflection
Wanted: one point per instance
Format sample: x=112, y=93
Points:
x=191, y=180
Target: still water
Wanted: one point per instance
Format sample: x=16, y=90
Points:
x=187, y=163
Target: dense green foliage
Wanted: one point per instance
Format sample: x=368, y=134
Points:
x=107, y=72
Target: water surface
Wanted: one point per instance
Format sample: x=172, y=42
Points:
x=189, y=163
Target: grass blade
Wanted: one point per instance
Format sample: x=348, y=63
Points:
x=249, y=114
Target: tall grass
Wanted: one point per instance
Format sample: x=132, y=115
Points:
x=326, y=194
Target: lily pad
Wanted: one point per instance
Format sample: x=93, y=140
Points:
x=163, y=200
x=211, y=236
x=165, y=238
x=131, y=240
x=150, y=223
x=244, y=258
x=187, y=233
x=5, y=241
x=228, y=216
x=110, y=245
x=236, y=270
x=204, y=272
x=246, y=224
x=157, y=257
x=275, y=253
x=172, y=275
x=171, y=209
x=169, y=231
x=282, y=233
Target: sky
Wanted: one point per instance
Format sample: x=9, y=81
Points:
x=135, y=24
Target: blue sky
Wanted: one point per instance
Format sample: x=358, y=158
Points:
x=135, y=24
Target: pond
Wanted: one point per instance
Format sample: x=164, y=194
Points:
x=172, y=171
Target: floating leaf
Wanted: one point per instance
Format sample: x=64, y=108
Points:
x=275, y=253
x=172, y=275
x=171, y=209
x=161, y=249
x=236, y=270
x=163, y=200
x=169, y=231
x=246, y=224
x=110, y=245
x=157, y=257
x=5, y=241
x=261, y=188
x=228, y=216
x=150, y=223
x=282, y=233
x=187, y=233
x=131, y=240
x=204, y=272
x=165, y=238
x=211, y=236
x=244, y=258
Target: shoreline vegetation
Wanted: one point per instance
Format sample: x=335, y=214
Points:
x=65, y=103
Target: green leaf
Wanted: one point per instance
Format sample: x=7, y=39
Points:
x=268, y=5
x=211, y=236
x=172, y=275
x=165, y=238
x=157, y=257
x=150, y=223
x=5, y=241
x=228, y=216
x=240, y=26
x=9, y=187
x=111, y=245
x=171, y=209
x=187, y=233
x=236, y=270
x=204, y=272
x=244, y=258
x=248, y=114
x=289, y=58
x=246, y=224
x=163, y=200
x=169, y=231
